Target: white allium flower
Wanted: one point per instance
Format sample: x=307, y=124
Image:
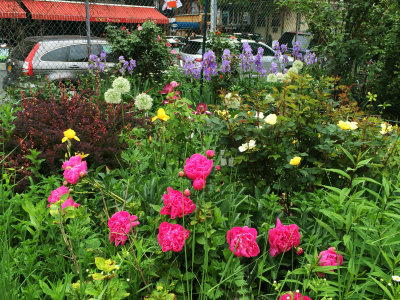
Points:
x=231, y=101
x=298, y=64
x=271, y=119
x=122, y=85
x=279, y=76
x=272, y=78
x=247, y=146
x=112, y=96
x=269, y=98
x=143, y=101
x=293, y=70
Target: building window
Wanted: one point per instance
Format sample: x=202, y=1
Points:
x=276, y=19
x=225, y=17
x=246, y=18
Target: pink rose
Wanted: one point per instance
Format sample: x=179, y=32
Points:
x=120, y=225
x=210, y=153
x=176, y=205
x=172, y=237
x=329, y=258
x=174, y=84
x=245, y=239
x=139, y=28
x=173, y=52
x=198, y=166
x=199, y=184
x=294, y=296
x=283, y=237
x=74, y=169
x=57, y=193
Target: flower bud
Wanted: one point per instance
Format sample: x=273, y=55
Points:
x=187, y=192
x=299, y=251
x=181, y=173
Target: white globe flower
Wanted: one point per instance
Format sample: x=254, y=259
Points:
x=279, y=76
x=121, y=85
x=293, y=70
x=272, y=78
x=112, y=96
x=271, y=119
x=298, y=64
x=247, y=146
x=269, y=98
x=143, y=102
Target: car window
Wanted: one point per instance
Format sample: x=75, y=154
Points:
x=110, y=56
x=192, y=48
x=79, y=53
x=59, y=54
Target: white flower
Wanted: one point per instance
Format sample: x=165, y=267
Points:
x=396, y=278
x=271, y=119
x=247, y=146
x=269, y=98
x=279, y=76
x=353, y=125
x=232, y=101
x=121, y=85
x=143, y=101
x=272, y=78
x=293, y=70
x=386, y=128
x=128, y=279
x=112, y=96
x=298, y=64
x=259, y=115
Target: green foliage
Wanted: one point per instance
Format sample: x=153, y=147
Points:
x=152, y=56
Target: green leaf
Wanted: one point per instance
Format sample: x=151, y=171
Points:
x=340, y=172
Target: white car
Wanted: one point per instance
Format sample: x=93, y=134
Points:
x=193, y=48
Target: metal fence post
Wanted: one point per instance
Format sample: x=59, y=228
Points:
x=88, y=27
x=203, y=48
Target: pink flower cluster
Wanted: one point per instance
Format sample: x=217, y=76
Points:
x=57, y=193
x=74, y=168
x=294, y=296
x=244, y=240
x=176, y=205
x=283, y=237
x=329, y=258
x=172, y=236
x=169, y=90
x=197, y=168
x=120, y=225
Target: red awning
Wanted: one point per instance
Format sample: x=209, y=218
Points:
x=11, y=9
x=75, y=11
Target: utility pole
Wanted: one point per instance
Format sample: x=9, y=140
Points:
x=213, y=25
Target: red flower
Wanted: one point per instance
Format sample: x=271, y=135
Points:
x=244, y=240
x=283, y=237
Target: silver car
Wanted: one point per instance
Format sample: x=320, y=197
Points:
x=192, y=51
x=53, y=57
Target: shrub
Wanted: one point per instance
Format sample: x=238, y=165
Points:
x=143, y=44
x=41, y=123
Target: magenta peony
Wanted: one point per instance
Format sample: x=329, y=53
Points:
x=176, y=205
x=245, y=239
x=172, y=236
x=57, y=193
x=329, y=258
x=199, y=184
x=294, y=296
x=74, y=168
x=198, y=166
x=120, y=225
x=210, y=153
x=283, y=237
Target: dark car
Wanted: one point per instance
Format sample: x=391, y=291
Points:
x=53, y=57
x=289, y=38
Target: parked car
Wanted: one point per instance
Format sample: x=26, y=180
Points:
x=192, y=50
x=250, y=36
x=55, y=57
x=289, y=38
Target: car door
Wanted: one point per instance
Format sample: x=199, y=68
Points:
x=78, y=58
x=52, y=62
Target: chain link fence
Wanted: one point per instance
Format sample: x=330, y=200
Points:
x=181, y=21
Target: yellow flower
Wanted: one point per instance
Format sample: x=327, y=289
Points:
x=347, y=125
x=150, y=138
x=319, y=135
x=159, y=288
x=83, y=155
x=295, y=161
x=294, y=142
x=386, y=128
x=69, y=135
x=161, y=115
